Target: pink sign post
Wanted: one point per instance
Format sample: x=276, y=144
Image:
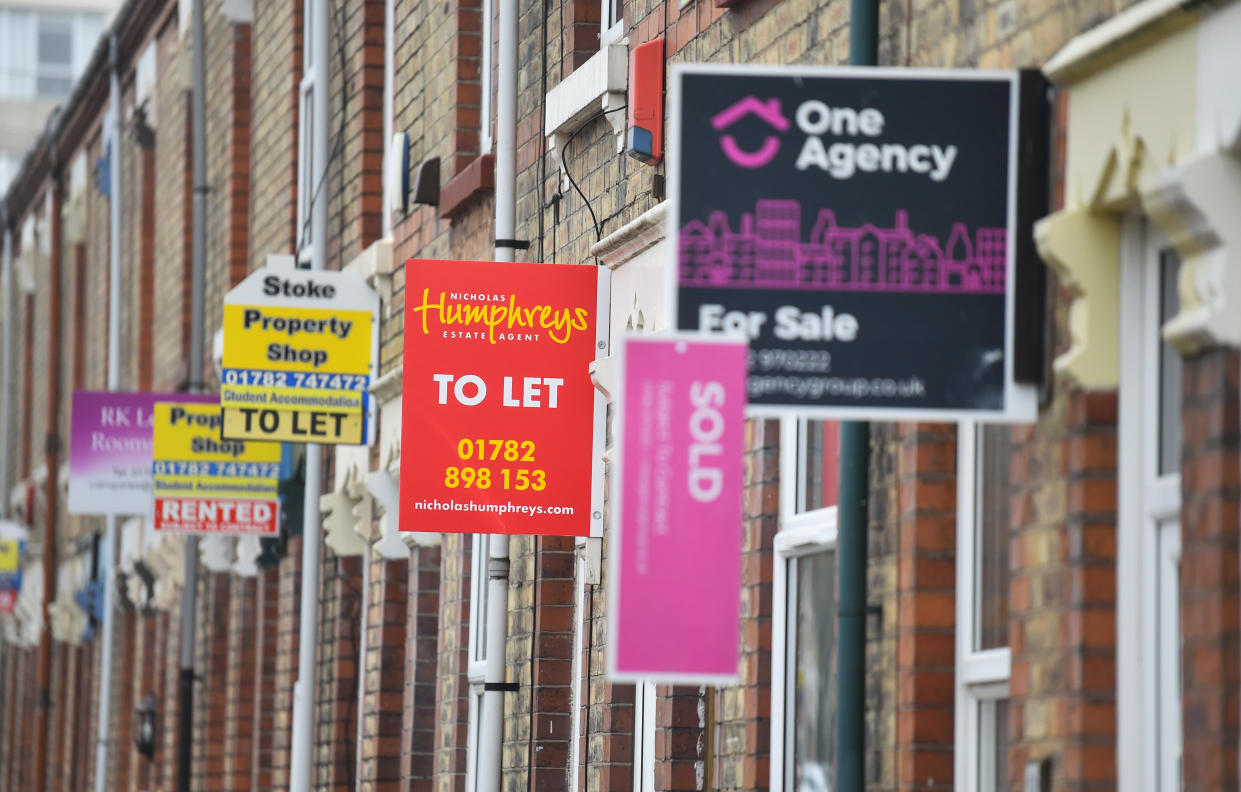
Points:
x=675, y=549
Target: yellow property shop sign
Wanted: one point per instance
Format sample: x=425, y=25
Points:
x=299, y=356
x=205, y=484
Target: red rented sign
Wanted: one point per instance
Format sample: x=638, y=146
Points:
x=502, y=428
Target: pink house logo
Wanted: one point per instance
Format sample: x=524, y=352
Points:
x=768, y=111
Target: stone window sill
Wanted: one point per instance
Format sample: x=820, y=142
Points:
x=475, y=180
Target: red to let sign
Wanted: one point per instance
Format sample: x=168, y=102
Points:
x=502, y=430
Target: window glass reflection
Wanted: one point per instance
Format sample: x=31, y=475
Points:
x=814, y=709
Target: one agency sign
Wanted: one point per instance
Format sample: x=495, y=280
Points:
x=110, y=450
x=299, y=355
x=675, y=554
x=859, y=228
x=207, y=485
x=502, y=426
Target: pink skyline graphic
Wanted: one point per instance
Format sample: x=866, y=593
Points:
x=767, y=251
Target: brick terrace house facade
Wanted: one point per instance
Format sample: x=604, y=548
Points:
x=1060, y=597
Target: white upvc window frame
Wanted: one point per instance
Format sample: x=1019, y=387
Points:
x=644, y=736
x=305, y=140
x=801, y=533
x=982, y=678
x=389, y=120
x=476, y=667
x=611, y=22
x=486, y=93
x=24, y=23
x=1148, y=533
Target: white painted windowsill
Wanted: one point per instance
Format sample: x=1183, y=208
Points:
x=598, y=85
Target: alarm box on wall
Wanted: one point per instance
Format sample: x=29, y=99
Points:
x=645, y=136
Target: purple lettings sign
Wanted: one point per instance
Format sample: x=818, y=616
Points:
x=110, y=450
x=675, y=548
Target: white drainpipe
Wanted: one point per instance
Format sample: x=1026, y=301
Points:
x=491, y=735
x=302, y=753
x=107, y=548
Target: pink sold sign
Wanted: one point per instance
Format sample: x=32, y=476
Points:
x=675, y=549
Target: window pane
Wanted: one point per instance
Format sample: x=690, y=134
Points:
x=476, y=737
x=306, y=161
x=55, y=41
x=1169, y=367
x=814, y=708
x=820, y=467
x=485, y=100
x=17, y=55
x=992, y=538
x=478, y=587
x=55, y=47
x=48, y=86
x=308, y=16
x=993, y=745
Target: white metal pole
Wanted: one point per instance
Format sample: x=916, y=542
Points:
x=491, y=737
x=198, y=270
x=312, y=527
x=107, y=547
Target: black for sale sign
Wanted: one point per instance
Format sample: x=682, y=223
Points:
x=859, y=227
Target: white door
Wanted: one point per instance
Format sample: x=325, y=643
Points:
x=1169, y=671
x=1149, y=532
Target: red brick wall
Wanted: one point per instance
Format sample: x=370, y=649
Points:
x=239, y=155
x=146, y=267
x=239, y=684
x=27, y=386
x=926, y=607
x=1210, y=599
x=120, y=757
x=228, y=119
x=743, y=748
x=539, y=715
x=451, y=685
x=681, y=748
x=16, y=768
x=580, y=34
x=383, y=670
x=187, y=241
x=169, y=721
x=607, y=717
x=211, y=691
x=88, y=726
x=419, y=703
x=161, y=764
x=466, y=87
x=144, y=672
x=1062, y=593
x=266, y=654
x=336, y=709
x=60, y=686
x=276, y=70
x=357, y=171
x=64, y=743
x=80, y=314
x=550, y=696
x=8, y=680
x=290, y=587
